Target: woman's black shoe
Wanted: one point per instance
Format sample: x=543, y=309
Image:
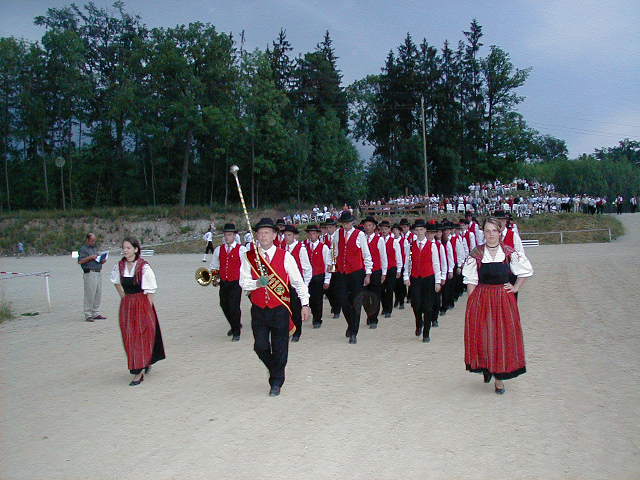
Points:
x=136, y=382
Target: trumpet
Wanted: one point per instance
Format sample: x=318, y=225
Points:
x=206, y=276
x=332, y=267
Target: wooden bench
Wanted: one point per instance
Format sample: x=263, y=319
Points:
x=530, y=243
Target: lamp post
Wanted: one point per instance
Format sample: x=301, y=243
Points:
x=60, y=161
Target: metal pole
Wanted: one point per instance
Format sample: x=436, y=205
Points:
x=561, y=238
x=424, y=150
x=609, y=234
x=46, y=290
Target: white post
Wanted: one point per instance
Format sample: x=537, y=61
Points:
x=561, y=238
x=609, y=234
x=46, y=290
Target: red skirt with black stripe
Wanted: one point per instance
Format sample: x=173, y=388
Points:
x=493, y=342
x=140, y=330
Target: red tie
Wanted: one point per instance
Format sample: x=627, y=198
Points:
x=266, y=257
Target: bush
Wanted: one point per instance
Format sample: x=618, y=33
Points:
x=6, y=311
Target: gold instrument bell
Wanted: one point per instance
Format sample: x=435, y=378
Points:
x=206, y=276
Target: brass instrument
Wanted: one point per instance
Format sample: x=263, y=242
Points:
x=332, y=267
x=206, y=276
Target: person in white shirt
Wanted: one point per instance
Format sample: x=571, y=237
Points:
x=301, y=256
x=136, y=284
x=353, y=271
x=269, y=275
x=395, y=263
x=226, y=262
x=422, y=273
x=493, y=338
x=208, y=237
x=378, y=250
x=320, y=259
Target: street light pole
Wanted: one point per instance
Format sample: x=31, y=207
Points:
x=424, y=149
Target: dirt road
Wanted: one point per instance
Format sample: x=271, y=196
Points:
x=389, y=407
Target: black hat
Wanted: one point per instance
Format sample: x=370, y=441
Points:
x=499, y=214
x=230, y=227
x=433, y=226
x=264, y=223
x=291, y=228
x=384, y=223
x=345, y=217
x=311, y=228
x=396, y=225
x=331, y=221
x=446, y=225
x=280, y=221
x=418, y=223
x=370, y=219
x=404, y=221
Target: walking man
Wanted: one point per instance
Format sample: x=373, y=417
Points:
x=91, y=264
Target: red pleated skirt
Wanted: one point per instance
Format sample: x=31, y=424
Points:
x=493, y=342
x=140, y=331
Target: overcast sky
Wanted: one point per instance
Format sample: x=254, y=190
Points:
x=585, y=55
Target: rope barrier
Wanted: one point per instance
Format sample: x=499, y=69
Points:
x=46, y=275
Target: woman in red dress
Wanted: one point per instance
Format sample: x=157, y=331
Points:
x=136, y=284
x=493, y=341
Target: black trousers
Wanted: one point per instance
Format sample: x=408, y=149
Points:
x=388, y=287
x=423, y=297
x=349, y=288
x=316, y=292
x=375, y=288
x=209, y=248
x=437, y=305
x=296, y=310
x=271, y=340
x=230, y=296
x=400, y=290
x=332, y=295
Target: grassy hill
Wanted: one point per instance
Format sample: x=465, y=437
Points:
x=57, y=232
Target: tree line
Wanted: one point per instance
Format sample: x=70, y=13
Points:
x=105, y=110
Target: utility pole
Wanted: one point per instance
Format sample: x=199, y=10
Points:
x=424, y=150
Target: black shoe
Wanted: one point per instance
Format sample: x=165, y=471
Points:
x=426, y=339
x=353, y=339
x=230, y=332
x=500, y=391
x=336, y=315
x=136, y=382
x=373, y=326
x=347, y=333
x=235, y=338
x=317, y=325
x=274, y=392
x=387, y=315
x=434, y=323
x=418, y=331
x=401, y=306
x=295, y=338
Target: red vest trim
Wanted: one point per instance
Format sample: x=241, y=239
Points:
x=454, y=244
x=375, y=252
x=349, y=255
x=296, y=254
x=421, y=261
x=229, y=263
x=392, y=261
x=509, y=239
x=316, y=257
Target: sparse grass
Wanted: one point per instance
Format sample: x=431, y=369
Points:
x=570, y=221
x=6, y=311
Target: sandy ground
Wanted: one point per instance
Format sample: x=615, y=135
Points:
x=389, y=407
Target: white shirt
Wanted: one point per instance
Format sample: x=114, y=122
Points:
x=326, y=255
x=208, y=237
x=461, y=250
x=248, y=237
x=450, y=262
x=215, y=261
x=435, y=260
x=382, y=248
x=249, y=284
x=479, y=235
x=307, y=270
x=398, y=252
x=443, y=261
x=149, y=284
x=361, y=243
x=520, y=265
x=472, y=241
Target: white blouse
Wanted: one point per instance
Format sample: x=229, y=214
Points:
x=149, y=284
x=520, y=265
